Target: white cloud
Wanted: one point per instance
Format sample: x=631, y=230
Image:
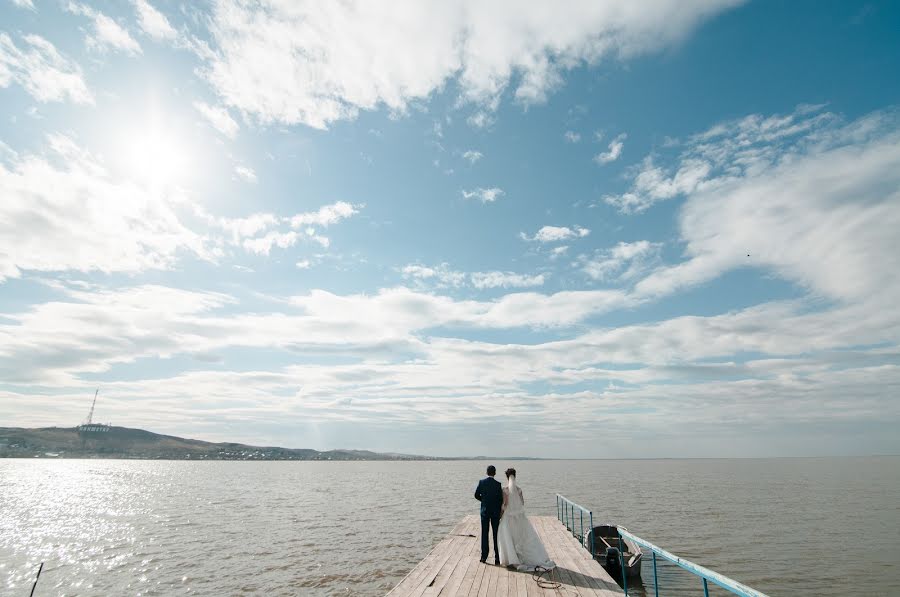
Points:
x=483, y=280
x=552, y=234
x=326, y=215
x=64, y=211
x=283, y=62
x=262, y=245
x=107, y=32
x=46, y=75
x=821, y=212
x=152, y=22
x=303, y=264
x=484, y=195
x=381, y=330
x=442, y=276
x=29, y=4
x=625, y=261
x=473, y=156
x=245, y=173
x=742, y=147
x=481, y=120
x=219, y=118
x=261, y=232
x=572, y=137
x=241, y=228
x=615, y=150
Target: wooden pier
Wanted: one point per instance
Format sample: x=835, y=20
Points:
x=452, y=568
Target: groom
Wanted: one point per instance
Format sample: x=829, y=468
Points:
x=490, y=493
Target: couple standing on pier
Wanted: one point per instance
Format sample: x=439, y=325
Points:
x=516, y=543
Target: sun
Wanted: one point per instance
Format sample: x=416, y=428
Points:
x=155, y=155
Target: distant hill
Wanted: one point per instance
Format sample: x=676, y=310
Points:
x=123, y=442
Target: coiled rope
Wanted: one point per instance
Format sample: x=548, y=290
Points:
x=544, y=578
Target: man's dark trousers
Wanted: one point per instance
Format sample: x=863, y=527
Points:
x=491, y=520
x=490, y=493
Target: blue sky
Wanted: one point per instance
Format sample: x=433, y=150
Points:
x=446, y=228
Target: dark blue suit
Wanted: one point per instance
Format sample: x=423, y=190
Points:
x=490, y=493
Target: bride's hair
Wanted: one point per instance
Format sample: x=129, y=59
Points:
x=510, y=472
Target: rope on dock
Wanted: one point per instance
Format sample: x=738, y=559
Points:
x=545, y=583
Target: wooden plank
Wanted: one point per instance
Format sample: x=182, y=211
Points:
x=493, y=575
x=503, y=583
x=591, y=570
x=437, y=567
x=476, y=583
x=521, y=587
x=567, y=572
x=474, y=566
x=436, y=585
x=452, y=569
x=412, y=580
x=404, y=587
x=455, y=581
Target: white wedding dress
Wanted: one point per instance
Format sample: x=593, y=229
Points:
x=519, y=543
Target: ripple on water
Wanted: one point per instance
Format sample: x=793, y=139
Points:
x=288, y=528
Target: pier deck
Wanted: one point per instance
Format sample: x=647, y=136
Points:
x=452, y=568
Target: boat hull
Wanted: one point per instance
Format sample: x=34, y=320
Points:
x=608, y=544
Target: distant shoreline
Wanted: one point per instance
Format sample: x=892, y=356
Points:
x=124, y=443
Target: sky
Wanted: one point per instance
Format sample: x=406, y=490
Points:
x=589, y=229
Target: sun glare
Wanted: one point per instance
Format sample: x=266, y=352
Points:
x=155, y=156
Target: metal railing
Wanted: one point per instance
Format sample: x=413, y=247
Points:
x=566, y=513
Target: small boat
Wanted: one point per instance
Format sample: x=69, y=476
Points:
x=606, y=550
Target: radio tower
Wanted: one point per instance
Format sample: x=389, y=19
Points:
x=93, y=404
x=89, y=428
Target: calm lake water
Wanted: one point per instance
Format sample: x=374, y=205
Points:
x=783, y=526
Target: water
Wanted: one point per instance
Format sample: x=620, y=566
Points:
x=105, y=527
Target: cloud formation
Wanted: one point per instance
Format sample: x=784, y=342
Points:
x=152, y=22
x=614, y=150
x=280, y=61
x=625, y=261
x=472, y=156
x=107, y=33
x=484, y=195
x=64, y=211
x=738, y=148
x=442, y=276
x=552, y=234
x=219, y=118
x=45, y=73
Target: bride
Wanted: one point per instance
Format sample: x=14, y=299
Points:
x=519, y=543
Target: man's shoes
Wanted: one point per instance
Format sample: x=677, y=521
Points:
x=482, y=560
x=496, y=562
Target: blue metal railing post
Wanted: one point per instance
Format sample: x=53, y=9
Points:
x=705, y=589
x=591, y=522
x=581, y=522
x=572, y=520
x=655, y=579
x=622, y=565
